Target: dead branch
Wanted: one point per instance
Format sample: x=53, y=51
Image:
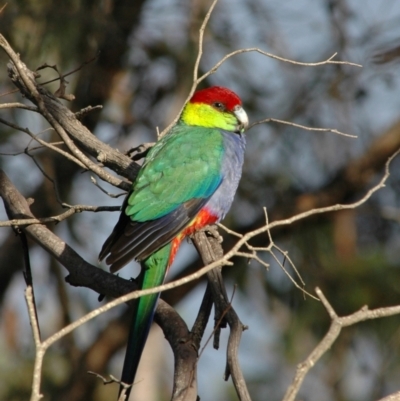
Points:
x=57, y=219
x=337, y=324
x=185, y=352
x=56, y=247
x=275, y=120
x=18, y=106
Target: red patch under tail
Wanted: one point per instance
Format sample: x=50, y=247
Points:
x=203, y=219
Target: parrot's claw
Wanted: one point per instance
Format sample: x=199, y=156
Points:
x=140, y=151
x=213, y=230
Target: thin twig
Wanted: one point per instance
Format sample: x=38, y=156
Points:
x=229, y=231
x=225, y=260
x=28, y=149
x=28, y=271
x=273, y=56
x=285, y=254
x=96, y=184
x=17, y=105
x=275, y=120
x=57, y=219
x=197, y=80
x=44, y=143
x=201, y=39
x=40, y=351
x=61, y=76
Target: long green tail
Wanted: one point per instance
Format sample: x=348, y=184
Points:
x=154, y=270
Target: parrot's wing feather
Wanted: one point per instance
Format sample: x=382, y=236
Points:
x=138, y=240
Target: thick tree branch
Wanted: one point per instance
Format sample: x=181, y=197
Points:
x=12, y=201
x=202, y=318
x=177, y=334
x=210, y=250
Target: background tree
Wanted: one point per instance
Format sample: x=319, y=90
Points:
x=143, y=71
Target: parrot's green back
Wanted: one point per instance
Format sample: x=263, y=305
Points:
x=188, y=159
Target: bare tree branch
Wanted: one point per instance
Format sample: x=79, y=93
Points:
x=57, y=219
x=185, y=352
x=64, y=121
x=270, y=55
x=11, y=203
x=337, y=324
x=275, y=120
x=44, y=143
x=17, y=106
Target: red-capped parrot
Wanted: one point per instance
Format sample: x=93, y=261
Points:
x=187, y=181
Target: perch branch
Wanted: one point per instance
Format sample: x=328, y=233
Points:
x=210, y=250
x=185, y=352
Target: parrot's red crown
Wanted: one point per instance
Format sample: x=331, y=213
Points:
x=217, y=94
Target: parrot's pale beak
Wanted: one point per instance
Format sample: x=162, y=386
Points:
x=241, y=116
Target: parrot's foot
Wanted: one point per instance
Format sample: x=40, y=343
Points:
x=140, y=151
x=213, y=230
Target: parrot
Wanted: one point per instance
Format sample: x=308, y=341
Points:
x=187, y=181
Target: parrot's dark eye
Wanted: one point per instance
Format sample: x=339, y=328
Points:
x=219, y=106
